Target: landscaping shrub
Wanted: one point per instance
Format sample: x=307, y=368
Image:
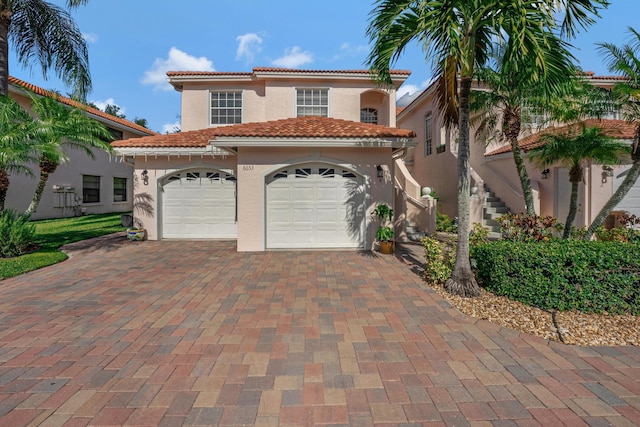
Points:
x=592, y=277
x=445, y=224
x=440, y=258
x=16, y=233
x=527, y=227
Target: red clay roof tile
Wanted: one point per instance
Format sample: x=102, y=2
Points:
x=68, y=101
x=276, y=70
x=614, y=128
x=301, y=127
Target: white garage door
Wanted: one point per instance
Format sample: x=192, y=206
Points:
x=631, y=202
x=315, y=206
x=199, y=204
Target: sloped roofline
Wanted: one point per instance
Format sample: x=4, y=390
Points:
x=177, y=78
x=119, y=122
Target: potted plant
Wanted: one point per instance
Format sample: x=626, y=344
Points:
x=385, y=234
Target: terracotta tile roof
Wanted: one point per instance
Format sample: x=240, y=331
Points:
x=619, y=129
x=301, y=127
x=276, y=70
x=68, y=101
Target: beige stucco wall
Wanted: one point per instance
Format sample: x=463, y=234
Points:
x=253, y=166
x=346, y=98
x=437, y=170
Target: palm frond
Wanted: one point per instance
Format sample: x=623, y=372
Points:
x=46, y=34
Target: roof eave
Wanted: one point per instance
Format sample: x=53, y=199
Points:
x=173, y=151
x=391, y=142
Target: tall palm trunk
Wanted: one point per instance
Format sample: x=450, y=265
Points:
x=511, y=125
x=628, y=182
x=5, y=20
x=4, y=187
x=573, y=209
x=47, y=167
x=462, y=282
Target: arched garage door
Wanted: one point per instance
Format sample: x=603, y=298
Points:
x=199, y=204
x=315, y=206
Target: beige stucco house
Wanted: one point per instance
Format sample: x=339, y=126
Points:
x=82, y=185
x=275, y=158
x=433, y=163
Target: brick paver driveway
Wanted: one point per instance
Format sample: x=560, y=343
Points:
x=193, y=333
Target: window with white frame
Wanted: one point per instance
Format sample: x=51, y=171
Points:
x=532, y=117
x=312, y=102
x=369, y=115
x=428, y=135
x=226, y=108
x=119, y=189
x=90, y=189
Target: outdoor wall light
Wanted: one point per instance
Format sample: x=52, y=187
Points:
x=545, y=173
x=145, y=176
x=380, y=171
x=607, y=171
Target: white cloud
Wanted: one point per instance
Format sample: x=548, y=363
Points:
x=293, y=58
x=90, y=37
x=176, y=60
x=248, y=46
x=407, y=90
x=170, y=127
x=109, y=101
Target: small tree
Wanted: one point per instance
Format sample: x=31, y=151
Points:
x=61, y=127
x=18, y=143
x=625, y=61
x=572, y=150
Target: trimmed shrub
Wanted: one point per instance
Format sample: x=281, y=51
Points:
x=526, y=227
x=440, y=258
x=592, y=277
x=16, y=233
x=445, y=224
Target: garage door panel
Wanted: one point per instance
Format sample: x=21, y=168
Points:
x=198, y=207
x=311, y=211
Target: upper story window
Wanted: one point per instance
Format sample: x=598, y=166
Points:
x=369, y=115
x=312, y=102
x=428, y=135
x=532, y=117
x=226, y=108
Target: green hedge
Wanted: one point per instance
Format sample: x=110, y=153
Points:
x=565, y=274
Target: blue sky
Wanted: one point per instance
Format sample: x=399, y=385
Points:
x=133, y=43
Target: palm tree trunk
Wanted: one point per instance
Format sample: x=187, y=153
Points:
x=5, y=20
x=628, y=182
x=511, y=124
x=4, y=187
x=37, y=196
x=573, y=208
x=462, y=282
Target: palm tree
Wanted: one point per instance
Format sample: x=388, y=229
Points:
x=60, y=127
x=18, y=143
x=457, y=36
x=46, y=33
x=509, y=93
x=624, y=61
x=573, y=150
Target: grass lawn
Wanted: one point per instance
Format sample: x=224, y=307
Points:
x=51, y=234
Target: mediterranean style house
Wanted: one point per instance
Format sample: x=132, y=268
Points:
x=82, y=185
x=275, y=158
x=495, y=184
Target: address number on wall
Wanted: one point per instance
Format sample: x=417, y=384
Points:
x=247, y=167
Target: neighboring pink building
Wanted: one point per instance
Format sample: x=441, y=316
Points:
x=81, y=185
x=433, y=163
x=275, y=158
